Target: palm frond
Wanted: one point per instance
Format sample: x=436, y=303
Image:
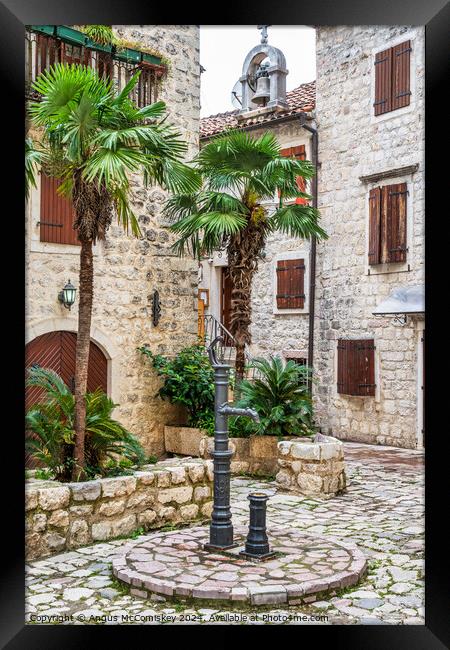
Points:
x=33, y=159
x=298, y=221
x=125, y=215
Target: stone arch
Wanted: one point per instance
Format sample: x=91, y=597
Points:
x=277, y=74
x=98, y=337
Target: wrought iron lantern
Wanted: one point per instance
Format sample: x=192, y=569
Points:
x=67, y=295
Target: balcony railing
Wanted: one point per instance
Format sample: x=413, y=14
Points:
x=45, y=49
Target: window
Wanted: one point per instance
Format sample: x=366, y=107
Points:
x=300, y=361
x=356, y=367
x=392, y=78
x=57, y=214
x=290, y=284
x=387, y=224
x=299, y=153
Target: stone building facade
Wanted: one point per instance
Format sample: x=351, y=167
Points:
x=126, y=269
x=359, y=151
x=284, y=331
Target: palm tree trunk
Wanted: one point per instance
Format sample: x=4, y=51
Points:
x=244, y=250
x=86, y=290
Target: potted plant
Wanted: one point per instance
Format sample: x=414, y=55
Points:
x=188, y=381
x=280, y=394
x=109, y=447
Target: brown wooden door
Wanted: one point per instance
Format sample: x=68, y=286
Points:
x=226, y=299
x=56, y=350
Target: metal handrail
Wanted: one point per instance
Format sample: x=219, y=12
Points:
x=211, y=329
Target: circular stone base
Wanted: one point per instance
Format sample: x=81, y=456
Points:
x=174, y=564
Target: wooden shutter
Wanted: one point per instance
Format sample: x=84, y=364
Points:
x=57, y=214
x=383, y=82
x=374, y=225
x=393, y=223
x=290, y=284
x=356, y=367
x=401, y=59
x=298, y=152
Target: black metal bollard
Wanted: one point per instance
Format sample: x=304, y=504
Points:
x=257, y=543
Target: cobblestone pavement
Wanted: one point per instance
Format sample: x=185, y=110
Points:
x=382, y=512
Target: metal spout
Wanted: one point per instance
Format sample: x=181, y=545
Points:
x=226, y=409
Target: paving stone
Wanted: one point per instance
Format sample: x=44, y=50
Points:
x=77, y=593
x=382, y=511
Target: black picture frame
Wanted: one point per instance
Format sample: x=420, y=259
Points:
x=434, y=14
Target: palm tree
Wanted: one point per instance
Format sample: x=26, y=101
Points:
x=240, y=173
x=93, y=138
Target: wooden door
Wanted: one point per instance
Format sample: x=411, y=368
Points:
x=56, y=350
x=225, y=316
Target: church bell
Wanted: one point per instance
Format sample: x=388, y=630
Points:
x=262, y=93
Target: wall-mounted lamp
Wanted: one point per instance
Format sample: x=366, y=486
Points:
x=67, y=295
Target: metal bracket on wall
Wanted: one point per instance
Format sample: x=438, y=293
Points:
x=156, y=308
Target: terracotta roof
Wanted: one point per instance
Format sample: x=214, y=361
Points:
x=302, y=98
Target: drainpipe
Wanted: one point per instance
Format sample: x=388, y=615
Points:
x=312, y=261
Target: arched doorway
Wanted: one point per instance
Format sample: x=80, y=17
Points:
x=56, y=350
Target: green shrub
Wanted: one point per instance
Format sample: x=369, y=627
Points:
x=281, y=396
x=109, y=447
x=188, y=381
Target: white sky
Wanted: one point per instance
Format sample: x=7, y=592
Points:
x=223, y=49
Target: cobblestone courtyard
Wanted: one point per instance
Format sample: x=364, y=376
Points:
x=382, y=512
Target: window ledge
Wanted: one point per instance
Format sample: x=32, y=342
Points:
x=287, y=312
x=393, y=267
x=389, y=173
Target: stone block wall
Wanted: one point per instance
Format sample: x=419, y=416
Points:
x=353, y=144
x=63, y=516
x=253, y=455
x=314, y=469
x=127, y=269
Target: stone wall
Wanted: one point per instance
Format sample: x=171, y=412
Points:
x=314, y=469
x=62, y=516
x=353, y=143
x=254, y=455
x=127, y=270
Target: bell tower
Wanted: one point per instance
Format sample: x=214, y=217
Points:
x=263, y=79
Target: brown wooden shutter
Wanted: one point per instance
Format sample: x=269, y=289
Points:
x=393, y=223
x=401, y=59
x=343, y=386
x=290, y=284
x=57, y=214
x=356, y=367
x=374, y=225
x=383, y=82
x=298, y=152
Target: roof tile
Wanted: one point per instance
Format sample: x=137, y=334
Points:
x=300, y=99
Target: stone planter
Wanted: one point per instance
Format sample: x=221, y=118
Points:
x=313, y=468
x=184, y=441
x=255, y=455
x=63, y=516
